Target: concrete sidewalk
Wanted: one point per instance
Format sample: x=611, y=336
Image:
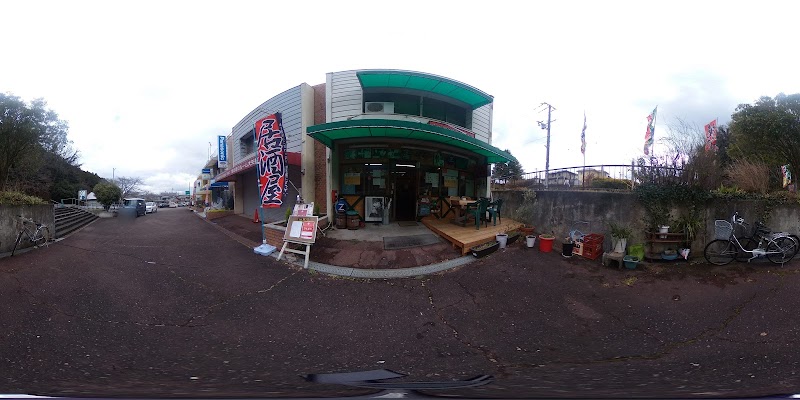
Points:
x=360, y=254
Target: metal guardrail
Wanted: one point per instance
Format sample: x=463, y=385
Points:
x=615, y=176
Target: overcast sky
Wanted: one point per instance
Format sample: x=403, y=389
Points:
x=146, y=85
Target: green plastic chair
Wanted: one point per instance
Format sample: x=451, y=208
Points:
x=494, y=211
x=478, y=210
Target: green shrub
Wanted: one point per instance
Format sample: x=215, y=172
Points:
x=611, y=183
x=19, y=199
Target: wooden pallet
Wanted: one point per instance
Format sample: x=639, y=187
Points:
x=466, y=237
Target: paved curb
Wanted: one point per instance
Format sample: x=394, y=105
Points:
x=388, y=273
x=350, y=272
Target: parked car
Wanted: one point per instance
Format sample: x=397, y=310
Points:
x=151, y=207
x=163, y=204
x=133, y=207
x=173, y=204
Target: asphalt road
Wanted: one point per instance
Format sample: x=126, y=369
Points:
x=169, y=305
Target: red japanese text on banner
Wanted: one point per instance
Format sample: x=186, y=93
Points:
x=271, y=160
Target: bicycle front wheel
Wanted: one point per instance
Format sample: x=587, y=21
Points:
x=781, y=250
x=720, y=252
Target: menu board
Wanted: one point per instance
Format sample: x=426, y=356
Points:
x=301, y=229
x=303, y=210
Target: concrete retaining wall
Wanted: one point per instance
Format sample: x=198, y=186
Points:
x=555, y=211
x=8, y=218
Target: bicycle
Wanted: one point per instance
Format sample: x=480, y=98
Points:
x=36, y=233
x=759, y=232
x=779, y=248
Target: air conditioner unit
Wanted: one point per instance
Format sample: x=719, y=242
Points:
x=379, y=107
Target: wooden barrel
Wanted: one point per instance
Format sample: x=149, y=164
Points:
x=341, y=221
x=352, y=221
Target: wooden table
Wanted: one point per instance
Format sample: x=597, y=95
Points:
x=459, y=206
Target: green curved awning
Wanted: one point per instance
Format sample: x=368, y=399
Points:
x=329, y=133
x=424, y=82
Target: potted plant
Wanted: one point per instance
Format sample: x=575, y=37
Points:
x=659, y=218
x=484, y=249
x=502, y=238
x=524, y=212
x=530, y=240
x=546, y=242
x=620, y=234
x=567, y=247
x=690, y=225
x=513, y=235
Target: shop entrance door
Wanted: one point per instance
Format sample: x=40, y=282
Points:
x=405, y=194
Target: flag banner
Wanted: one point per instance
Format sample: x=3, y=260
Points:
x=651, y=131
x=787, y=175
x=271, y=160
x=583, y=135
x=711, y=135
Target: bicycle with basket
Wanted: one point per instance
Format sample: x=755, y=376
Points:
x=777, y=247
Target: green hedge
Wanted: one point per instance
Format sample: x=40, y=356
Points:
x=611, y=183
x=19, y=199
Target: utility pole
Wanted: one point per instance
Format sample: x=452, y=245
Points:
x=542, y=125
x=112, y=173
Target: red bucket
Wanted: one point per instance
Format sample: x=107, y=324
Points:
x=545, y=244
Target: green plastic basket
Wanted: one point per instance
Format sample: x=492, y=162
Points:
x=636, y=250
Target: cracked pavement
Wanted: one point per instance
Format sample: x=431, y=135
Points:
x=168, y=305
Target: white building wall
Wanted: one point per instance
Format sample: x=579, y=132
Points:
x=290, y=106
x=482, y=123
x=346, y=96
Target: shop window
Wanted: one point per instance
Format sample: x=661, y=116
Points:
x=247, y=143
x=403, y=103
x=376, y=179
x=430, y=183
x=351, y=179
x=409, y=104
x=444, y=112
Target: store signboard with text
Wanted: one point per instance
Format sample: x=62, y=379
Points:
x=301, y=229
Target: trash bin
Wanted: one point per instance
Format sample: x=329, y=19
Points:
x=353, y=220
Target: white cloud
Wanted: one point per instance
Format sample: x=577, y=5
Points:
x=146, y=85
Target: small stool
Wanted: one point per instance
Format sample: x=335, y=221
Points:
x=616, y=258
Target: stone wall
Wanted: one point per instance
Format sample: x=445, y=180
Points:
x=8, y=217
x=555, y=211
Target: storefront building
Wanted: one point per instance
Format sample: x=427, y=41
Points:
x=405, y=139
x=376, y=138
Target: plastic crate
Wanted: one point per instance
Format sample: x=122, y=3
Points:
x=593, y=246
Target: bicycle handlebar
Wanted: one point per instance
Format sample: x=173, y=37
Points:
x=738, y=220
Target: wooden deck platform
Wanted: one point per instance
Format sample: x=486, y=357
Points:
x=465, y=237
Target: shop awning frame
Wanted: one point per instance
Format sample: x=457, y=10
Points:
x=328, y=134
x=391, y=78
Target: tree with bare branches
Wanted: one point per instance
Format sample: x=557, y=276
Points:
x=129, y=186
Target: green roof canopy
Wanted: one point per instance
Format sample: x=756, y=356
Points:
x=329, y=133
x=426, y=83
